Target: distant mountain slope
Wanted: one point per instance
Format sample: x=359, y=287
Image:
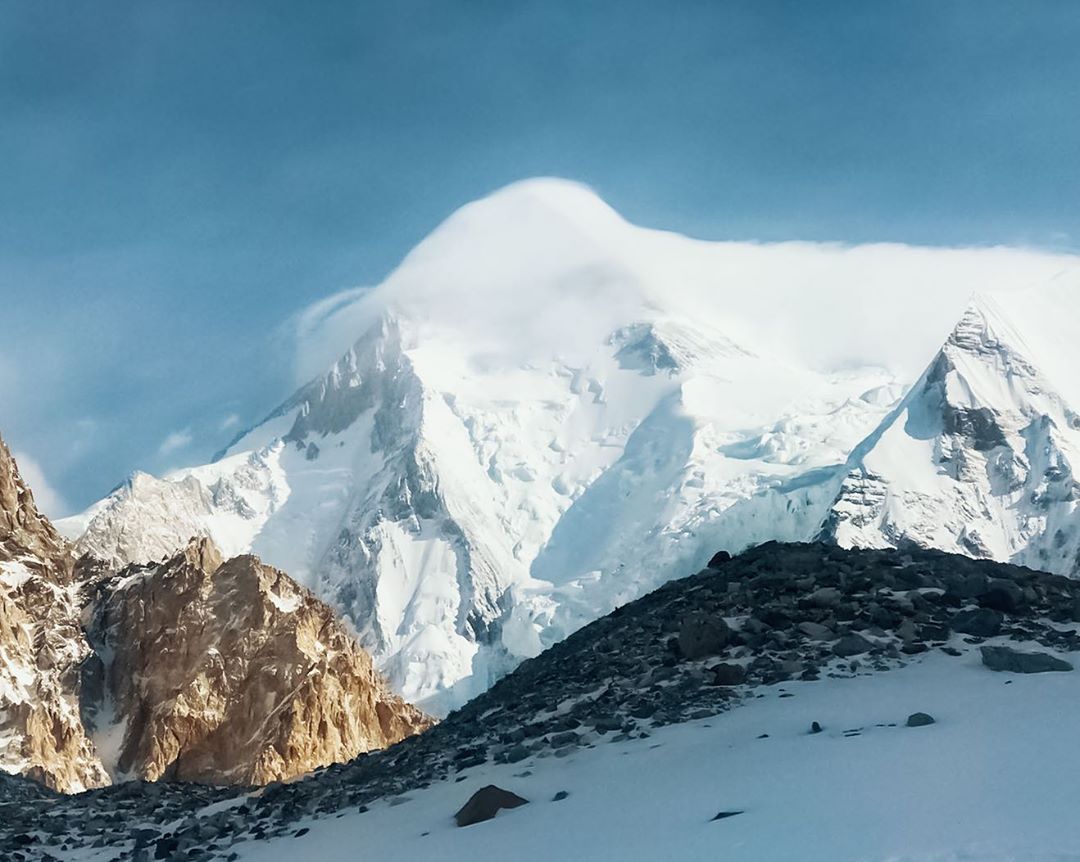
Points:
x=486, y=469
x=980, y=457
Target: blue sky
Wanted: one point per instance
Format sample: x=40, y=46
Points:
x=178, y=179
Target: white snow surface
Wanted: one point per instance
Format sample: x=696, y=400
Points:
x=546, y=412
x=992, y=780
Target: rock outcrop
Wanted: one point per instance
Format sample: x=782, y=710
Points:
x=191, y=669
x=41, y=647
x=486, y=803
x=230, y=673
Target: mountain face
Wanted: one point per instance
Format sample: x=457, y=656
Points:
x=42, y=647
x=228, y=673
x=193, y=669
x=545, y=412
x=980, y=457
x=485, y=470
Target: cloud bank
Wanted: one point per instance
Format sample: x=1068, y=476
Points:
x=49, y=501
x=527, y=264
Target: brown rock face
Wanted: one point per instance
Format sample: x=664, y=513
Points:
x=24, y=531
x=192, y=669
x=232, y=673
x=41, y=647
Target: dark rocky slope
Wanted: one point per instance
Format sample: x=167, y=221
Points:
x=691, y=649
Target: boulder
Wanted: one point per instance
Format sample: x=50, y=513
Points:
x=485, y=804
x=983, y=623
x=718, y=559
x=774, y=618
x=815, y=631
x=702, y=635
x=1001, y=658
x=1002, y=595
x=826, y=597
x=728, y=674
x=850, y=645
x=919, y=719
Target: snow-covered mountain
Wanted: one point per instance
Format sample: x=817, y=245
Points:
x=980, y=457
x=486, y=469
x=546, y=411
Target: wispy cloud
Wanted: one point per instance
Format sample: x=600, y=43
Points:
x=230, y=421
x=175, y=441
x=48, y=499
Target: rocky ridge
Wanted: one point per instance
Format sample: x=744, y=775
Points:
x=41, y=647
x=192, y=668
x=228, y=672
x=689, y=650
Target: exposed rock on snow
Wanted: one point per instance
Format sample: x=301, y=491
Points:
x=1014, y=661
x=980, y=622
x=485, y=804
x=702, y=635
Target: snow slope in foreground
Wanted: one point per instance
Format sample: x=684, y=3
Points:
x=994, y=779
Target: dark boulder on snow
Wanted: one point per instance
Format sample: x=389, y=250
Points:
x=1002, y=595
x=851, y=645
x=728, y=674
x=1003, y=658
x=919, y=719
x=486, y=803
x=816, y=631
x=982, y=623
x=702, y=635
